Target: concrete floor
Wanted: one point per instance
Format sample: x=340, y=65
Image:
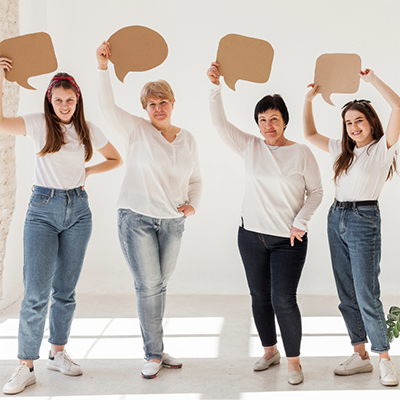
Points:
x=215, y=338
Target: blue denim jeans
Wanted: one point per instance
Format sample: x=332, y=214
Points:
x=355, y=245
x=273, y=270
x=57, y=229
x=151, y=247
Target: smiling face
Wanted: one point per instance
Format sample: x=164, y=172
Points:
x=159, y=111
x=64, y=103
x=272, y=127
x=358, y=128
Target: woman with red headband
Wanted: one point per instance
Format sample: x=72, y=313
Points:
x=58, y=223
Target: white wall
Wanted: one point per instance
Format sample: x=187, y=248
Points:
x=299, y=31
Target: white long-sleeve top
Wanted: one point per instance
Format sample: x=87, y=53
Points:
x=160, y=176
x=283, y=184
x=367, y=174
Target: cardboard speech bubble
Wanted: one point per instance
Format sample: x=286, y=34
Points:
x=32, y=55
x=245, y=58
x=136, y=48
x=337, y=73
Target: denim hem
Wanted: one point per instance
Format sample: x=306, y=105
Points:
x=153, y=357
x=380, y=351
x=359, y=342
x=58, y=344
x=269, y=345
x=27, y=358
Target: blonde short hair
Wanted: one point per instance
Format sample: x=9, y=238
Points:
x=159, y=89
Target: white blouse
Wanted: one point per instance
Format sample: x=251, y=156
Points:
x=160, y=176
x=283, y=184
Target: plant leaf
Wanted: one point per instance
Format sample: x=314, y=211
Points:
x=392, y=317
x=394, y=310
x=390, y=324
x=395, y=332
x=389, y=334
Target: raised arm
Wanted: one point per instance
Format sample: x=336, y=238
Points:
x=10, y=126
x=233, y=137
x=393, y=128
x=310, y=131
x=119, y=120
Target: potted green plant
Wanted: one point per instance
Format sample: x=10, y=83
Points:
x=393, y=323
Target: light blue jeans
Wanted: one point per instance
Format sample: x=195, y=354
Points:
x=151, y=247
x=57, y=229
x=355, y=245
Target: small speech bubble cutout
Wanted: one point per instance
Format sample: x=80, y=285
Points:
x=136, y=48
x=337, y=73
x=32, y=55
x=245, y=58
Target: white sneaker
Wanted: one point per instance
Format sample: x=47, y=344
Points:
x=387, y=373
x=20, y=379
x=63, y=363
x=354, y=365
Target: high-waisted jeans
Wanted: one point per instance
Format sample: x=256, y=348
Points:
x=57, y=229
x=355, y=245
x=151, y=247
x=273, y=269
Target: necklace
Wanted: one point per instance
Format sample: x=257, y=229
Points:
x=273, y=148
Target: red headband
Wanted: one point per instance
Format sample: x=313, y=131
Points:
x=63, y=78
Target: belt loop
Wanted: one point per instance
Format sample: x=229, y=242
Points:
x=33, y=188
x=354, y=205
x=52, y=193
x=335, y=204
x=242, y=222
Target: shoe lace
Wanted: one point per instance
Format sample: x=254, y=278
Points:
x=386, y=367
x=350, y=359
x=18, y=371
x=67, y=360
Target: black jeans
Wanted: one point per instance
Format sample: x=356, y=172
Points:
x=273, y=269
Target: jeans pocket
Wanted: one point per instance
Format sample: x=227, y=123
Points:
x=331, y=208
x=83, y=196
x=39, y=200
x=367, y=214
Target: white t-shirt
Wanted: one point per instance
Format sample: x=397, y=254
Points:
x=160, y=176
x=66, y=168
x=368, y=172
x=283, y=184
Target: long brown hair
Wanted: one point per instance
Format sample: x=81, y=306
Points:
x=55, y=128
x=346, y=157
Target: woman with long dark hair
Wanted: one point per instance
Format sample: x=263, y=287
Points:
x=364, y=159
x=283, y=190
x=58, y=222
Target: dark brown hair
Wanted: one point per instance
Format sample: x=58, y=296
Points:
x=55, y=128
x=346, y=157
x=274, y=102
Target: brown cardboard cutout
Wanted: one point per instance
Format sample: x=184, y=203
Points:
x=31, y=54
x=245, y=58
x=337, y=73
x=136, y=48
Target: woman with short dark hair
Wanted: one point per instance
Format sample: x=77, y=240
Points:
x=283, y=190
